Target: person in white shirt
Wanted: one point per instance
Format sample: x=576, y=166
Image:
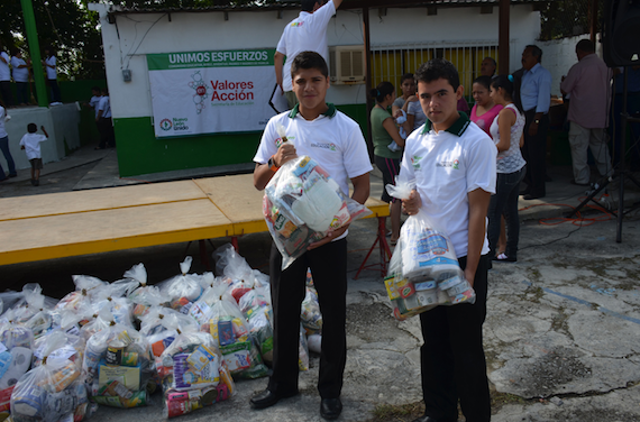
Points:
x=20, y=73
x=336, y=143
x=104, y=122
x=454, y=165
x=30, y=142
x=307, y=32
x=4, y=147
x=52, y=74
x=5, y=78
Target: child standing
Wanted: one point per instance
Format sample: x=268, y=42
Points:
x=30, y=142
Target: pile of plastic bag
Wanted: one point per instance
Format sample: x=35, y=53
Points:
x=424, y=271
x=114, y=344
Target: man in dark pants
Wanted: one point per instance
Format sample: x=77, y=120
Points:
x=534, y=94
x=449, y=151
x=314, y=125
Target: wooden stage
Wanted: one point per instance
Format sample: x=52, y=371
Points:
x=57, y=225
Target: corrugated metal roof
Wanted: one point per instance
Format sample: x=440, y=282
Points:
x=294, y=5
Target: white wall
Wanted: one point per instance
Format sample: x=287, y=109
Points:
x=61, y=123
x=127, y=42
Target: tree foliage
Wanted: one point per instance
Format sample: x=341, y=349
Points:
x=567, y=18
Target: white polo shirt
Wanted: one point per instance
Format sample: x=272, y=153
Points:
x=105, y=106
x=333, y=140
x=51, y=73
x=31, y=143
x=447, y=166
x=307, y=32
x=5, y=72
x=19, y=74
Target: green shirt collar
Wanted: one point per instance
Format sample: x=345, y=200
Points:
x=331, y=111
x=457, y=128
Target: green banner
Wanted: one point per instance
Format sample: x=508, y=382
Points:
x=220, y=58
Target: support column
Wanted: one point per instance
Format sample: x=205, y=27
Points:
x=503, y=38
x=34, y=51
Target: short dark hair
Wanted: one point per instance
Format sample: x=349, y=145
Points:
x=586, y=45
x=485, y=81
x=307, y=5
x=405, y=77
x=32, y=128
x=95, y=88
x=309, y=60
x=535, y=52
x=383, y=89
x=506, y=83
x=436, y=69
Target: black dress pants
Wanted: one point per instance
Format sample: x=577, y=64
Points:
x=452, y=357
x=328, y=265
x=534, y=153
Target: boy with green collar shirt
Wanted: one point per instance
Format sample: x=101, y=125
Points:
x=336, y=143
x=454, y=164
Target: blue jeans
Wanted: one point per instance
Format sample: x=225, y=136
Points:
x=4, y=146
x=505, y=201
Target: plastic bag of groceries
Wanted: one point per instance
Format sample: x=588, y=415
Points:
x=234, y=270
x=73, y=348
x=16, y=343
x=182, y=290
x=424, y=270
x=302, y=203
x=229, y=329
x=52, y=391
x=85, y=286
x=256, y=308
x=193, y=374
x=8, y=299
x=32, y=302
x=112, y=296
x=310, y=314
x=117, y=366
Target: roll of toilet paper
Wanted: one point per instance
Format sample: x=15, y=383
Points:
x=19, y=366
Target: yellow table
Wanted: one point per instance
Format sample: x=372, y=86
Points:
x=38, y=227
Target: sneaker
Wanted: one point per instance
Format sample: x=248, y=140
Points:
x=36, y=182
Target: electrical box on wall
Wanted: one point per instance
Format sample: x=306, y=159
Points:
x=126, y=75
x=347, y=64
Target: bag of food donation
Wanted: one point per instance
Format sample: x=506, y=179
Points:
x=424, y=270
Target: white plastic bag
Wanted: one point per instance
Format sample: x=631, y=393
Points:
x=302, y=203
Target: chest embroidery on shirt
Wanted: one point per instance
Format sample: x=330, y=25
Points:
x=455, y=164
x=415, y=162
x=297, y=24
x=330, y=147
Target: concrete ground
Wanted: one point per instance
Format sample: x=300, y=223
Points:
x=562, y=336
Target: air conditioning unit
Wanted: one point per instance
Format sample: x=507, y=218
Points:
x=347, y=64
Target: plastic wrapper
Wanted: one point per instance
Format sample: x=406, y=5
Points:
x=310, y=314
x=424, y=270
x=31, y=303
x=85, y=286
x=182, y=290
x=73, y=349
x=111, y=296
x=13, y=368
x=302, y=203
x=15, y=335
x=256, y=308
x=52, y=391
x=8, y=299
x=193, y=374
x=229, y=329
x=118, y=366
x=231, y=265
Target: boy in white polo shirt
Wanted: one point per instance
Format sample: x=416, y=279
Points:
x=307, y=32
x=336, y=143
x=454, y=165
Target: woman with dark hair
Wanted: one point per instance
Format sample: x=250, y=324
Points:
x=484, y=111
x=506, y=131
x=384, y=133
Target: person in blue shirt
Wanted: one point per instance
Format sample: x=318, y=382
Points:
x=533, y=93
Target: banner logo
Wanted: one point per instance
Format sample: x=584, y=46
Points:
x=166, y=124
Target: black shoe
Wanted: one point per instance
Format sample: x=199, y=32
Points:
x=530, y=196
x=330, y=408
x=425, y=419
x=33, y=182
x=13, y=175
x=267, y=399
x=36, y=182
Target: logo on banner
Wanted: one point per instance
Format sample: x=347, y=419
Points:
x=200, y=88
x=165, y=124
